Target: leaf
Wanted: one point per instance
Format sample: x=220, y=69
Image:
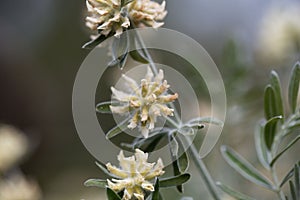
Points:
x=111, y=195
x=96, y=183
x=208, y=120
x=117, y=129
x=93, y=43
x=120, y=47
x=289, y=175
x=138, y=56
x=270, y=131
x=174, y=181
x=285, y=149
x=244, y=167
x=155, y=194
x=275, y=82
x=293, y=190
x=294, y=87
x=260, y=146
x=270, y=103
x=104, y=107
x=104, y=170
x=237, y=195
x=297, y=180
x=182, y=160
x=125, y=2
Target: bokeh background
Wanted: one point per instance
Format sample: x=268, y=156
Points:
x=40, y=53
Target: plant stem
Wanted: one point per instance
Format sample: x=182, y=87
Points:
x=276, y=182
x=192, y=150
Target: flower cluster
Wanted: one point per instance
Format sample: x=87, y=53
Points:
x=111, y=17
x=13, y=146
x=146, y=102
x=134, y=175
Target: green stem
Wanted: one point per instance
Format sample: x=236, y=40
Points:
x=280, y=193
x=192, y=150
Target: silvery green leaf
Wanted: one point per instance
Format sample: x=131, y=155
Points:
x=96, y=183
x=275, y=82
x=155, y=195
x=119, y=128
x=182, y=157
x=294, y=87
x=120, y=48
x=93, y=43
x=104, y=170
x=174, y=181
x=297, y=180
x=270, y=106
x=244, y=167
x=293, y=191
x=270, y=131
x=260, y=146
x=186, y=131
x=111, y=195
x=104, y=107
x=237, y=195
x=284, y=150
x=208, y=120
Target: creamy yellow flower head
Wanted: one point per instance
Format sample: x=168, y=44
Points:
x=13, y=146
x=134, y=175
x=146, y=102
x=110, y=17
x=279, y=34
x=147, y=12
x=106, y=16
x=18, y=188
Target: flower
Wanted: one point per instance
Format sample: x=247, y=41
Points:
x=134, y=175
x=146, y=102
x=13, y=146
x=18, y=188
x=107, y=16
x=279, y=35
x=147, y=12
x=111, y=17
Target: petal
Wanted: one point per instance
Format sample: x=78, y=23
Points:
x=119, y=109
x=149, y=75
x=159, y=77
x=131, y=83
x=147, y=186
x=116, y=171
x=119, y=95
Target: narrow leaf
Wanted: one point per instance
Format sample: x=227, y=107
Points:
x=288, y=176
x=270, y=131
x=260, y=146
x=270, y=103
x=111, y=195
x=182, y=159
x=208, y=120
x=173, y=144
x=293, y=190
x=96, y=183
x=93, y=43
x=244, y=167
x=275, y=82
x=297, y=180
x=139, y=56
x=294, y=87
x=174, y=181
x=117, y=129
x=104, y=107
x=104, y=170
x=285, y=149
x=120, y=47
x=237, y=195
x=155, y=194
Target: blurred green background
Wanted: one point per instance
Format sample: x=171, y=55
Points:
x=40, y=53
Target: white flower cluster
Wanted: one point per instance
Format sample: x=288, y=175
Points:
x=134, y=175
x=13, y=146
x=279, y=35
x=109, y=16
x=146, y=102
